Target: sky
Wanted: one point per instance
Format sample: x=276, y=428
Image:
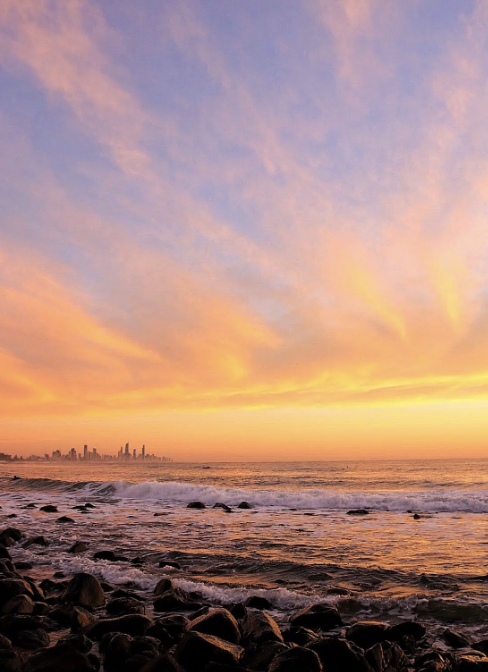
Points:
x=244, y=230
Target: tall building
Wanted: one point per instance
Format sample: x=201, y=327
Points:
x=143, y=452
x=85, y=452
x=134, y=454
x=126, y=451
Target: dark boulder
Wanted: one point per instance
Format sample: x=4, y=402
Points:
x=164, y=663
x=217, y=622
x=175, y=624
x=81, y=618
x=36, y=541
x=31, y=639
x=10, y=588
x=196, y=650
x=10, y=661
x=196, y=505
x=4, y=554
x=339, y=655
x=301, y=636
x=10, y=533
x=5, y=642
x=124, y=605
x=77, y=641
x=375, y=657
x=412, y=629
x=358, y=512
x=78, y=547
x=117, y=651
x=259, y=656
x=20, y=604
x=244, y=505
x=169, y=563
x=434, y=661
x=221, y=505
x=455, y=639
x=259, y=627
x=49, y=508
x=65, y=519
x=60, y=658
x=84, y=590
x=23, y=566
x=318, y=616
x=298, y=658
x=105, y=555
x=367, y=633
x=257, y=602
x=472, y=662
x=133, y=624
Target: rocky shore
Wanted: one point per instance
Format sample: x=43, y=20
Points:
x=78, y=623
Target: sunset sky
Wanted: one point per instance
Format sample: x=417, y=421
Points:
x=244, y=230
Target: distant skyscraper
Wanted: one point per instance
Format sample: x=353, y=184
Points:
x=126, y=451
x=85, y=452
x=143, y=452
x=134, y=454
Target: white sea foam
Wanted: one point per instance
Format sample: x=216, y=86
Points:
x=428, y=501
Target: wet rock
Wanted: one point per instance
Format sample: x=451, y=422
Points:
x=301, y=636
x=164, y=663
x=77, y=641
x=61, y=658
x=169, y=563
x=455, y=639
x=117, y=652
x=171, y=598
x=84, y=590
x=6, y=567
x=339, y=655
x=175, y=624
x=65, y=519
x=244, y=505
x=434, y=661
x=238, y=610
x=374, y=656
x=221, y=505
x=49, y=508
x=124, y=605
x=472, y=662
x=298, y=658
x=5, y=642
x=4, y=554
x=413, y=629
x=257, y=602
x=105, y=555
x=217, y=622
x=22, y=566
x=416, y=516
x=31, y=639
x=196, y=650
x=89, y=505
x=318, y=616
x=78, y=547
x=259, y=627
x=10, y=533
x=358, y=512
x=12, y=515
x=196, y=505
x=159, y=632
x=367, y=633
x=81, y=618
x=395, y=658
x=20, y=604
x=36, y=541
x=133, y=624
x=10, y=661
x=259, y=656
x=10, y=588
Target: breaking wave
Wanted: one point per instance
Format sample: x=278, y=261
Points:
x=181, y=493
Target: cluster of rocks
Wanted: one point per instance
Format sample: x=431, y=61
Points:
x=84, y=625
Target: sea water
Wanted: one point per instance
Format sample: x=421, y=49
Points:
x=298, y=544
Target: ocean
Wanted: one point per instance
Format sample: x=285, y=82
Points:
x=297, y=545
